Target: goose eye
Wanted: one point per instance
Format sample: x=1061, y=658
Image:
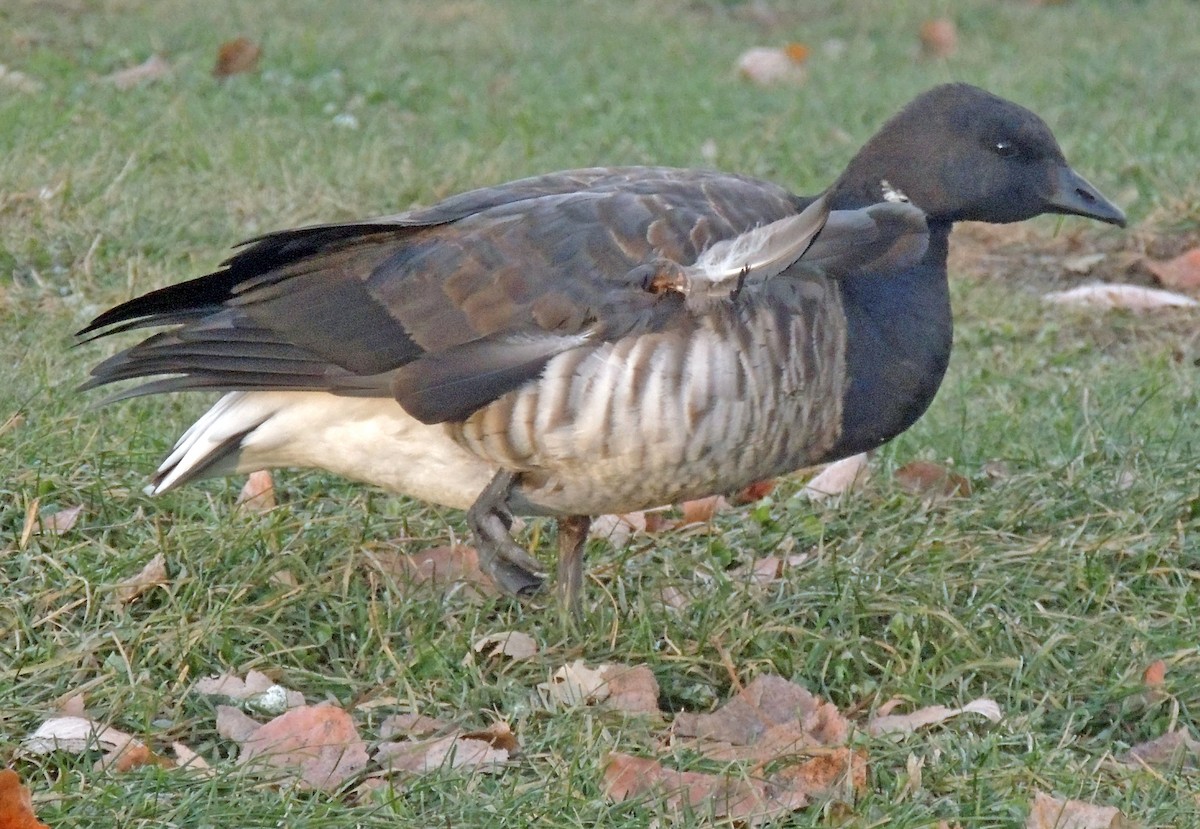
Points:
x=1005, y=149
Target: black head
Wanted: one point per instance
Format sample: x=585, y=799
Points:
x=960, y=153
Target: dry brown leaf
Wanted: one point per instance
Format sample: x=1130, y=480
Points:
x=737, y=798
x=499, y=736
x=318, y=745
x=840, y=772
x=702, y=510
x=628, y=688
x=234, y=724
x=483, y=751
x=76, y=735
x=511, y=643
x=932, y=715
x=236, y=56
x=152, y=575
x=1049, y=812
x=1155, y=678
x=57, y=523
x=152, y=69
x=1171, y=749
x=448, y=567
x=453, y=751
x=837, y=478
x=73, y=706
x=631, y=689
x=932, y=480
x=185, y=758
x=770, y=710
x=768, y=66
x=411, y=725
x=1109, y=296
x=939, y=37
x=753, y=492
x=132, y=757
x=575, y=684
x=257, y=690
x=1181, y=273
x=1155, y=674
x=258, y=493
x=16, y=804
x=618, y=529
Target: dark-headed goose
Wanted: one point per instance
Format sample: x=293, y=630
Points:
x=599, y=340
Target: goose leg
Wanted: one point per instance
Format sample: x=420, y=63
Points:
x=572, y=543
x=513, y=569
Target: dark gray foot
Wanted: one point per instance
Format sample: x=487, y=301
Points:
x=513, y=569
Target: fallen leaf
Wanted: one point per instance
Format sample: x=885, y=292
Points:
x=131, y=757
x=257, y=690
x=767, y=66
x=841, y=772
x=939, y=37
x=631, y=689
x=575, y=684
x=1049, y=812
x=1155, y=679
x=453, y=752
x=234, y=724
x=1083, y=264
x=318, y=745
x=754, y=492
x=152, y=69
x=702, y=510
x=411, y=725
x=771, y=715
x=185, y=758
x=483, y=751
x=57, y=523
x=931, y=479
x=733, y=798
x=932, y=715
x=19, y=81
x=837, y=478
x=73, y=706
x=1181, y=273
x=1174, y=749
x=618, y=529
x=1109, y=296
x=152, y=575
x=258, y=493
x=236, y=56
x=16, y=804
x=75, y=735
x=455, y=568
x=511, y=643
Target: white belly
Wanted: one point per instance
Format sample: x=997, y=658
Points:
x=364, y=439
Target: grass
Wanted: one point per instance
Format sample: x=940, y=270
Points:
x=1050, y=589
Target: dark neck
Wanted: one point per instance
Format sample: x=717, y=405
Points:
x=898, y=333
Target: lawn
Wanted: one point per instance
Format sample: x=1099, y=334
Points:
x=1071, y=567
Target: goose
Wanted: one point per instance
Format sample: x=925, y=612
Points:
x=599, y=340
